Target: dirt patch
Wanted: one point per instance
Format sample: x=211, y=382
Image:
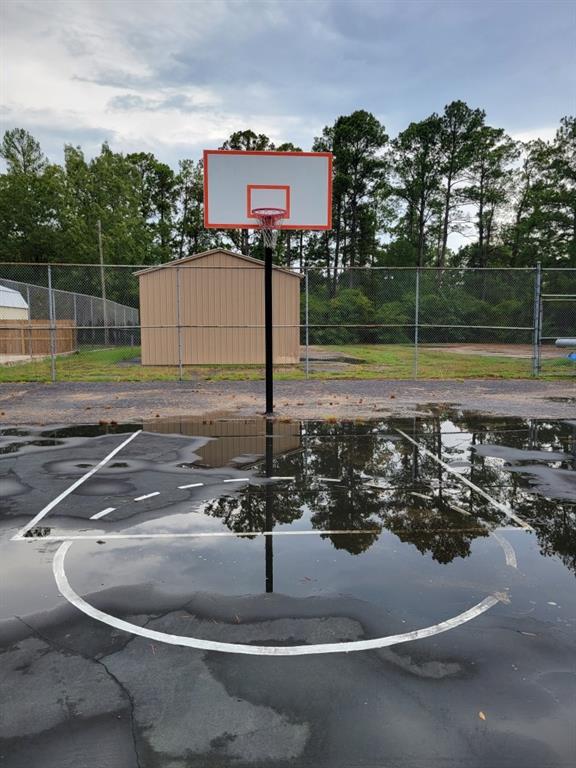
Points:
x=74, y=403
x=498, y=350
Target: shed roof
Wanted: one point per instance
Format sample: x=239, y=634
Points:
x=204, y=254
x=11, y=298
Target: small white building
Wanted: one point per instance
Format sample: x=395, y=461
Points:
x=12, y=305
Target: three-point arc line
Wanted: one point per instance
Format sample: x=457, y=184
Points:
x=257, y=650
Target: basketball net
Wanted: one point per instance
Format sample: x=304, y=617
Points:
x=269, y=219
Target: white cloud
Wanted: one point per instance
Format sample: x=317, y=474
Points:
x=93, y=67
x=172, y=76
x=546, y=133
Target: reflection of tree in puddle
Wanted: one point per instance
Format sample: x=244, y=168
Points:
x=385, y=483
x=441, y=532
x=246, y=512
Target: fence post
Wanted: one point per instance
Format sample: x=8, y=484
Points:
x=307, y=338
x=92, y=317
x=30, y=351
x=180, y=377
x=52, y=328
x=416, y=322
x=537, y=321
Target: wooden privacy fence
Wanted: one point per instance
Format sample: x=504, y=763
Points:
x=32, y=337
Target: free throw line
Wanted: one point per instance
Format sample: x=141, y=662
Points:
x=43, y=512
x=257, y=650
x=201, y=535
x=502, y=507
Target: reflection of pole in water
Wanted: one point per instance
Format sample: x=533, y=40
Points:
x=269, y=543
x=415, y=465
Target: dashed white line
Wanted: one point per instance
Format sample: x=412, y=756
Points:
x=282, y=478
x=330, y=479
x=58, y=499
x=191, y=485
x=237, y=480
x=147, y=496
x=106, y=511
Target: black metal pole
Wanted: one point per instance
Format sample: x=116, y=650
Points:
x=268, y=330
x=269, y=542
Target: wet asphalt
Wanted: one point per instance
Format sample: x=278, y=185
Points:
x=370, y=537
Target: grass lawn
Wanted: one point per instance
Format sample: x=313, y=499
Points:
x=390, y=361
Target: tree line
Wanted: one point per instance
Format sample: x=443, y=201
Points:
x=396, y=202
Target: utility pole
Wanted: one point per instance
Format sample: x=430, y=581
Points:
x=102, y=283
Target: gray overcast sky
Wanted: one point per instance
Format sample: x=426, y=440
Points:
x=175, y=77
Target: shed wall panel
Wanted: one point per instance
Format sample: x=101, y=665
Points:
x=13, y=313
x=221, y=311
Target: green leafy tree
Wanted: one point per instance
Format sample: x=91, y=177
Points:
x=544, y=225
x=490, y=177
x=358, y=141
x=417, y=164
x=459, y=131
x=22, y=153
x=190, y=235
x=31, y=200
x=157, y=192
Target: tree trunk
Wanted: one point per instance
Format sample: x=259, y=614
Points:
x=421, y=230
x=481, y=222
x=183, y=226
x=446, y=222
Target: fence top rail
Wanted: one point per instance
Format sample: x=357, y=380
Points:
x=258, y=267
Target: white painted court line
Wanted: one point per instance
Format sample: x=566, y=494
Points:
x=106, y=511
x=43, y=512
x=502, y=507
x=237, y=480
x=203, y=535
x=282, y=478
x=257, y=650
x=459, y=509
x=329, y=479
x=147, y=496
x=508, y=549
x=192, y=485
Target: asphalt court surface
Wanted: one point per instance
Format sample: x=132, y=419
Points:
x=196, y=593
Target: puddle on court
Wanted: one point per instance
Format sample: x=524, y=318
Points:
x=346, y=507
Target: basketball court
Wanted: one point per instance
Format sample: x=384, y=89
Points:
x=278, y=593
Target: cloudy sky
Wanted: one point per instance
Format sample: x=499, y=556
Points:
x=173, y=77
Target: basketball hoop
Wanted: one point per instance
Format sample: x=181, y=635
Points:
x=269, y=220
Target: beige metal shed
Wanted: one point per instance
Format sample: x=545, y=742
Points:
x=217, y=299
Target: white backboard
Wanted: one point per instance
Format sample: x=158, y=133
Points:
x=237, y=181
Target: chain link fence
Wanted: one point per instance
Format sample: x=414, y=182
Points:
x=556, y=320
x=187, y=321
